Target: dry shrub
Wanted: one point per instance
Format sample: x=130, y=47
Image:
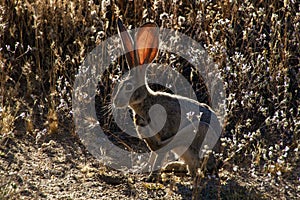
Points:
x=255, y=43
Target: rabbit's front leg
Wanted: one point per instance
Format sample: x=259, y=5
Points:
x=155, y=162
x=153, y=142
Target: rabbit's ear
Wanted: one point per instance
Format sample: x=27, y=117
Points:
x=147, y=41
x=127, y=44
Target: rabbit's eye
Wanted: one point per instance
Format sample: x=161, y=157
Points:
x=129, y=86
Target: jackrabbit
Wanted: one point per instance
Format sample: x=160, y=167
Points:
x=161, y=118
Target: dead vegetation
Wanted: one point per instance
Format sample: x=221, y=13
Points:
x=42, y=44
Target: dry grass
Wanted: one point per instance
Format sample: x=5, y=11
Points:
x=255, y=43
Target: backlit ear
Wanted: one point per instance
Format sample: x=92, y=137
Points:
x=146, y=43
x=127, y=44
